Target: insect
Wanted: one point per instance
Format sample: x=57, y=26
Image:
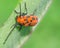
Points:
x=23, y=20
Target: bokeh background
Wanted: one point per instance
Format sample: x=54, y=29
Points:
x=46, y=34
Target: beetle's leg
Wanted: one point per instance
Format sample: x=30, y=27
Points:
x=22, y=14
x=25, y=13
x=10, y=33
x=20, y=10
x=20, y=27
x=16, y=12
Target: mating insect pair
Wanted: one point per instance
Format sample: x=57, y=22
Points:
x=24, y=20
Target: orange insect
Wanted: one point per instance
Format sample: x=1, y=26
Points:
x=24, y=20
x=27, y=20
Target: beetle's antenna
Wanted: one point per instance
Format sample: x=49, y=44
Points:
x=25, y=8
x=10, y=33
x=20, y=9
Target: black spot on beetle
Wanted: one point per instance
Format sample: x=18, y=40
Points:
x=30, y=20
x=36, y=18
x=33, y=18
x=25, y=19
x=29, y=24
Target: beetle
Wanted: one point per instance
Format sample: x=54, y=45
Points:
x=23, y=20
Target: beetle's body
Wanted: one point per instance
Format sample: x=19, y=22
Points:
x=27, y=20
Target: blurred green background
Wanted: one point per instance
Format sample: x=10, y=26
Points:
x=6, y=7
x=47, y=34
